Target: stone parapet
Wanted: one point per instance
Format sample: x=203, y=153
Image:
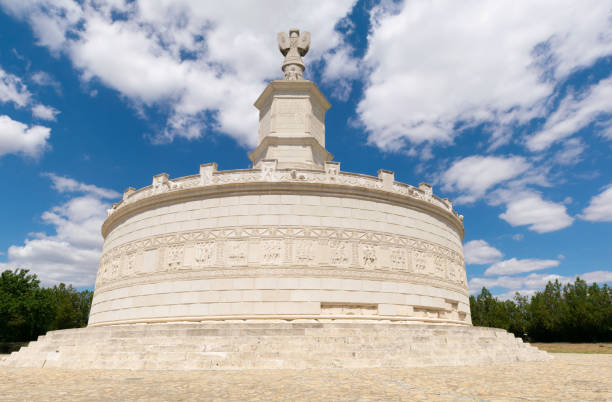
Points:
x=330, y=178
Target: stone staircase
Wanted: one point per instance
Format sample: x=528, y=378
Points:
x=272, y=345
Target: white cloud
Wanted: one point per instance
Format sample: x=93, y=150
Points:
x=50, y=20
x=195, y=59
x=574, y=113
x=474, y=175
x=600, y=207
x=571, y=153
x=435, y=65
x=514, y=266
x=64, y=184
x=597, y=276
x=71, y=255
x=340, y=68
x=13, y=90
x=480, y=252
x=541, y=216
x=18, y=138
x=44, y=112
x=532, y=282
x=43, y=78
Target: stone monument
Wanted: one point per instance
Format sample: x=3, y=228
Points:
x=292, y=263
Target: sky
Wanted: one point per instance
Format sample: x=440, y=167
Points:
x=504, y=107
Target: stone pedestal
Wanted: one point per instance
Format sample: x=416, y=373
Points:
x=292, y=126
x=232, y=345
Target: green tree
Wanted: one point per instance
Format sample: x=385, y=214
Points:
x=24, y=310
x=71, y=307
x=547, y=310
x=574, y=312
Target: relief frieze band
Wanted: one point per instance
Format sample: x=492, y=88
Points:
x=283, y=247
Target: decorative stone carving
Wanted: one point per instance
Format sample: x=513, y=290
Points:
x=427, y=190
x=332, y=174
x=205, y=253
x=130, y=264
x=268, y=170
x=398, y=258
x=160, y=183
x=332, y=169
x=174, y=256
x=115, y=267
x=339, y=252
x=368, y=255
x=236, y=252
x=293, y=46
x=272, y=251
x=420, y=263
x=446, y=264
x=305, y=252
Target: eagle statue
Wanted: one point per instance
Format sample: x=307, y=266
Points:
x=293, y=47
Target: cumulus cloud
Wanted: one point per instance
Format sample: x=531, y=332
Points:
x=474, y=175
x=205, y=62
x=12, y=89
x=436, y=69
x=44, y=112
x=600, y=207
x=514, y=266
x=528, y=284
x=574, y=113
x=541, y=216
x=19, y=138
x=72, y=253
x=480, y=252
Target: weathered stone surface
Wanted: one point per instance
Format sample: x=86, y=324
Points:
x=266, y=345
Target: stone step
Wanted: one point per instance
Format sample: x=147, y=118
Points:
x=243, y=345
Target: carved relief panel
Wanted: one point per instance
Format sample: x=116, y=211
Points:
x=339, y=252
x=236, y=252
x=367, y=256
x=304, y=252
x=174, y=256
x=399, y=260
x=205, y=253
x=271, y=252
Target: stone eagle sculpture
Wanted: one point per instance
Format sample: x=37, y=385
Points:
x=293, y=47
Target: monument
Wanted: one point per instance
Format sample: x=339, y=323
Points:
x=292, y=263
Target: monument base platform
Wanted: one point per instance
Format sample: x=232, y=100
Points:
x=272, y=345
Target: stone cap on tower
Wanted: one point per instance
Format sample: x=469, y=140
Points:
x=292, y=125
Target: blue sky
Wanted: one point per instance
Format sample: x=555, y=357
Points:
x=505, y=107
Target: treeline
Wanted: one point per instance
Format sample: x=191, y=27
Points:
x=574, y=312
x=28, y=310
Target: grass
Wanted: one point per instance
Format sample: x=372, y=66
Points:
x=599, y=348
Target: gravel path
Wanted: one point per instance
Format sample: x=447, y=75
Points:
x=567, y=377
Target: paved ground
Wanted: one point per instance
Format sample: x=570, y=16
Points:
x=567, y=377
